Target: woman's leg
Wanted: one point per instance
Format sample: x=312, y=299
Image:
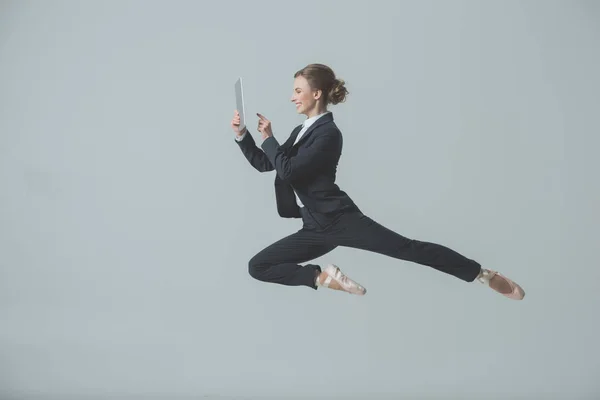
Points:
x=280, y=262
x=359, y=231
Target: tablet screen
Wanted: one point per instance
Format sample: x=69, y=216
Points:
x=239, y=100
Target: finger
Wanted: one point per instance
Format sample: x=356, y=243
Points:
x=261, y=117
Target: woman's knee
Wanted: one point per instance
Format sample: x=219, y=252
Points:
x=256, y=268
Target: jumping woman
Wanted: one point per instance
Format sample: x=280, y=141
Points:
x=305, y=166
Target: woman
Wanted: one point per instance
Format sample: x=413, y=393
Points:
x=305, y=187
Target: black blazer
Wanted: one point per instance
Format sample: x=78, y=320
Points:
x=308, y=167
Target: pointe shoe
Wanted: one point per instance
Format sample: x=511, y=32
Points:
x=347, y=284
x=517, y=292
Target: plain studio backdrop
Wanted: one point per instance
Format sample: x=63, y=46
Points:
x=128, y=214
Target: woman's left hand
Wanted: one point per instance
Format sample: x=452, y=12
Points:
x=264, y=127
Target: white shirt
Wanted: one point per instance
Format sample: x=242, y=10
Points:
x=307, y=124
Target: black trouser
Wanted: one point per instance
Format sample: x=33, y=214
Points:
x=280, y=262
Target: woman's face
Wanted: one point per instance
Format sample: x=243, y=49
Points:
x=304, y=97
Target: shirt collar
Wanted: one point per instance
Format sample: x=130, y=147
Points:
x=309, y=121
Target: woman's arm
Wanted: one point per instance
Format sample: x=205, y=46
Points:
x=255, y=156
x=309, y=160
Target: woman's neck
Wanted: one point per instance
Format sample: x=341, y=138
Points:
x=317, y=111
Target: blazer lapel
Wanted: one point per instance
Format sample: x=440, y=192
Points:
x=323, y=120
x=288, y=143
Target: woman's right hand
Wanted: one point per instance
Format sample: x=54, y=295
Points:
x=235, y=124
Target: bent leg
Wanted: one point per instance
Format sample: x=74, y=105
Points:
x=359, y=231
x=280, y=262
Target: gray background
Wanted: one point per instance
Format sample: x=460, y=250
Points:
x=128, y=214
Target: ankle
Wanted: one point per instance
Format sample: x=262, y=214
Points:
x=482, y=276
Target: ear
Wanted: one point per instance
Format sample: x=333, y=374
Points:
x=317, y=94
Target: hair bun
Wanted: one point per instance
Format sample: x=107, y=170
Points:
x=338, y=92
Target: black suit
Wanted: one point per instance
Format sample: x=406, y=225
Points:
x=330, y=217
x=309, y=167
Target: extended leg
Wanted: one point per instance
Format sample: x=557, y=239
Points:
x=359, y=231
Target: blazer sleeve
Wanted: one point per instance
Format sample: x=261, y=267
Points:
x=255, y=156
x=309, y=159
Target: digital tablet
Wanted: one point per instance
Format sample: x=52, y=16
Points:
x=239, y=101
